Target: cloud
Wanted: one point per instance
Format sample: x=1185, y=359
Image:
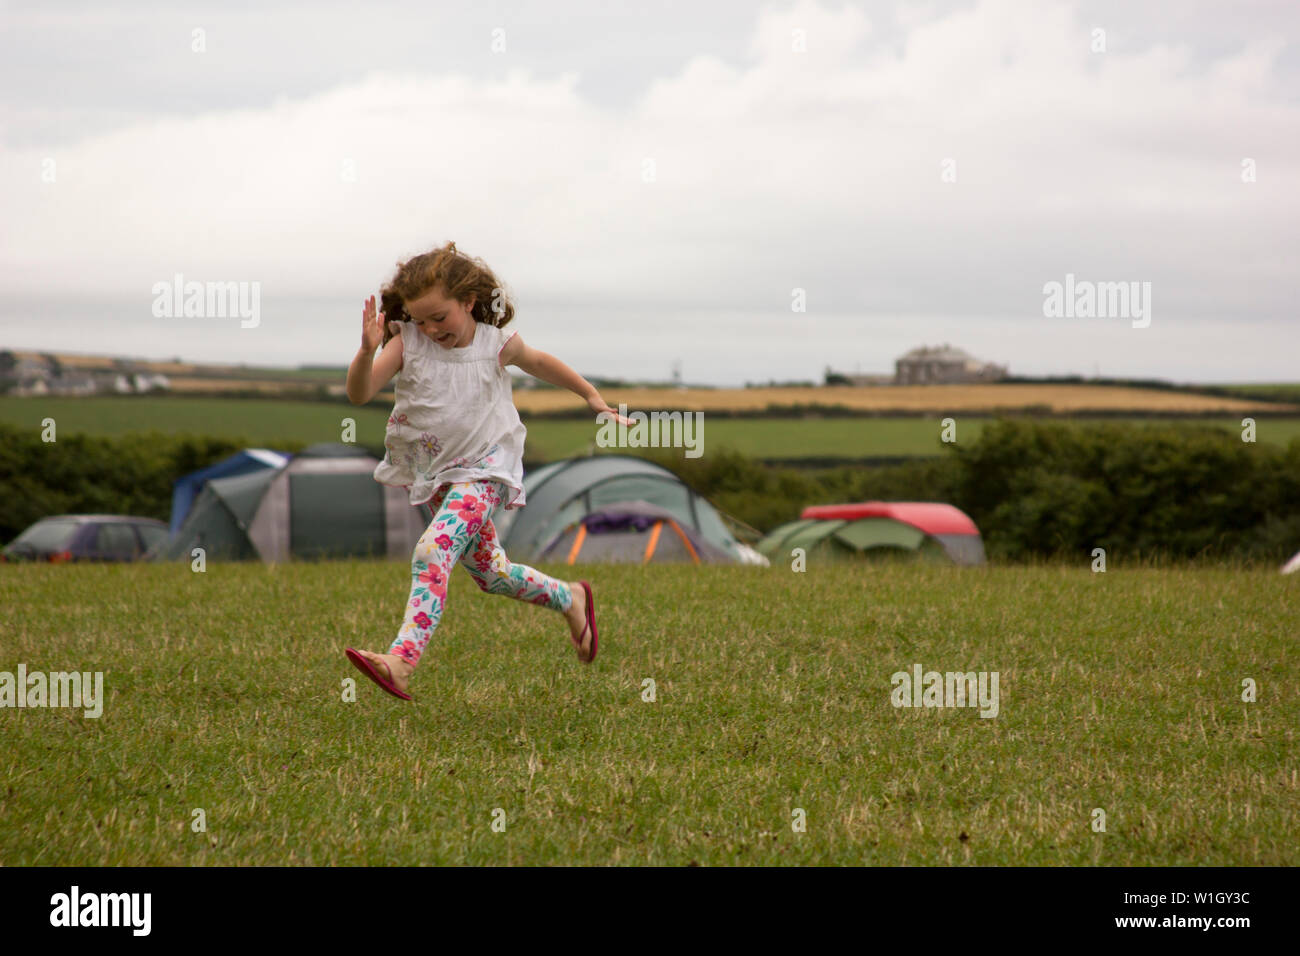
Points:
x=724, y=184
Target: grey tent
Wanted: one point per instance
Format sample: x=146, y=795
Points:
x=325, y=503
x=188, y=487
x=632, y=532
x=563, y=492
x=218, y=519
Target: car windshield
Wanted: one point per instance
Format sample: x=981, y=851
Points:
x=48, y=535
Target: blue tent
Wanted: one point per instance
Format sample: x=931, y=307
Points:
x=186, y=488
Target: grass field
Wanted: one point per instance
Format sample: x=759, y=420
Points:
x=268, y=422
x=850, y=437
x=224, y=693
x=260, y=421
x=945, y=399
x=1276, y=391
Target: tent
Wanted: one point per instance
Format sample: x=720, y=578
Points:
x=324, y=503
x=187, y=488
x=1293, y=565
x=632, y=532
x=562, y=492
x=924, y=529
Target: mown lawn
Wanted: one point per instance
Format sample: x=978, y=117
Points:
x=224, y=692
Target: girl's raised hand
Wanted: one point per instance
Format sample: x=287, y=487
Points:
x=372, y=326
x=597, y=404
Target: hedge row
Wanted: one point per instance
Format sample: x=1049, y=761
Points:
x=128, y=475
x=1043, y=489
x=1036, y=489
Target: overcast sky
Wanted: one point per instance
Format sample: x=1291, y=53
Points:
x=654, y=185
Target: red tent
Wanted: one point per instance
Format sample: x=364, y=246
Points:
x=932, y=517
x=865, y=526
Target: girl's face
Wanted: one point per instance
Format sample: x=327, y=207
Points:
x=446, y=321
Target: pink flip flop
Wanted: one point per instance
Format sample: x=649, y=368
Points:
x=368, y=669
x=591, y=623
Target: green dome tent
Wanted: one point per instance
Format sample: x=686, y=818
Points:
x=632, y=532
x=324, y=503
x=874, y=529
x=562, y=493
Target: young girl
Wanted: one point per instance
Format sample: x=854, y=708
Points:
x=455, y=441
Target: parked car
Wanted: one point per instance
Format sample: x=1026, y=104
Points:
x=86, y=538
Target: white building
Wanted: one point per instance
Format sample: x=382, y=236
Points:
x=944, y=365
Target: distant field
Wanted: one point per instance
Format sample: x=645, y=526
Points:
x=228, y=692
x=1282, y=392
x=291, y=389
x=911, y=398
x=197, y=369
x=259, y=421
x=851, y=437
x=1061, y=397
x=269, y=421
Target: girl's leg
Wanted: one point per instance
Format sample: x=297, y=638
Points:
x=457, y=520
x=486, y=562
x=461, y=526
x=496, y=574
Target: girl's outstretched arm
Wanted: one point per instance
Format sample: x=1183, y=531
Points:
x=548, y=368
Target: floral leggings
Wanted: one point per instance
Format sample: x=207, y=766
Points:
x=462, y=526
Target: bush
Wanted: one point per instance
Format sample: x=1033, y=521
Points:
x=130, y=475
x=1048, y=489
x=1036, y=489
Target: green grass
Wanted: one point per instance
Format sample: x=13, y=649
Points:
x=259, y=421
x=780, y=437
x=1119, y=691
x=268, y=421
x=1272, y=392
x=851, y=437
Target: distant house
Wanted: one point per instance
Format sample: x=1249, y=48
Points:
x=25, y=376
x=28, y=375
x=147, y=382
x=944, y=365
x=74, y=383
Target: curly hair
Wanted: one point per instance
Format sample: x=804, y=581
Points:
x=460, y=277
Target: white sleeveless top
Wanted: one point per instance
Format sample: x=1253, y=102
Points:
x=454, y=418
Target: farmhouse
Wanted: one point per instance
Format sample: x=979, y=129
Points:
x=944, y=365
x=937, y=365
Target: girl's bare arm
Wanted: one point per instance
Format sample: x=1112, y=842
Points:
x=546, y=367
x=550, y=369
x=366, y=378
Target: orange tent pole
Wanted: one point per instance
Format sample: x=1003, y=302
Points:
x=650, y=545
x=577, y=543
x=686, y=541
